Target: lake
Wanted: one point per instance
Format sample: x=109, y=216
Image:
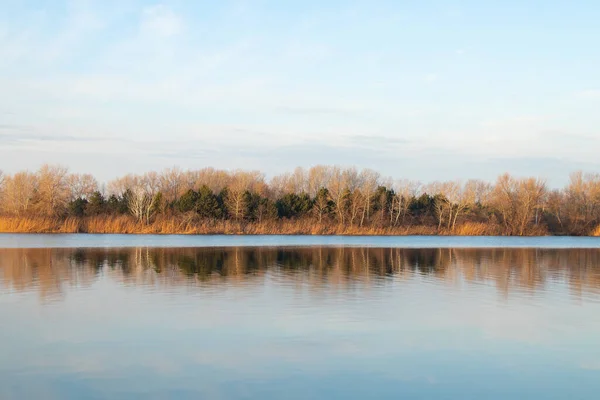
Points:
x=294, y=317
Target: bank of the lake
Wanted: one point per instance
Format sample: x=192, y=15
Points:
x=125, y=224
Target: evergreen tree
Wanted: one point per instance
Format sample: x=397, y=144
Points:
x=187, y=202
x=96, y=204
x=208, y=204
x=382, y=203
x=77, y=207
x=292, y=205
x=118, y=205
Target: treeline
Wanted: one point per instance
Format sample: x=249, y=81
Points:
x=321, y=199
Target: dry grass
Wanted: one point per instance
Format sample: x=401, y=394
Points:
x=39, y=225
x=476, y=229
x=537, y=230
x=125, y=224
x=596, y=231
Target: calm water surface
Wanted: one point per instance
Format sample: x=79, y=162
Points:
x=281, y=321
x=89, y=240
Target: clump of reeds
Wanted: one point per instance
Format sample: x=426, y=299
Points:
x=596, y=231
x=39, y=225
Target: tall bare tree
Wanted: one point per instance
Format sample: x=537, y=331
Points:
x=19, y=190
x=460, y=197
x=339, y=188
x=519, y=202
x=237, y=192
x=81, y=185
x=142, y=203
x=582, y=202
x=172, y=184
x=368, y=181
x=215, y=179
x=52, y=193
x=319, y=177
x=404, y=191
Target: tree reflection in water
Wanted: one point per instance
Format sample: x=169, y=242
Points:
x=49, y=271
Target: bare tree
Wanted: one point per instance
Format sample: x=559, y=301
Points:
x=52, y=189
x=19, y=190
x=582, y=201
x=368, y=181
x=556, y=204
x=404, y=192
x=120, y=185
x=481, y=191
x=150, y=182
x=141, y=203
x=172, y=184
x=460, y=197
x=81, y=186
x=519, y=202
x=215, y=179
x=340, y=186
x=441, y=204
x=279, y=184
x=237, y=198
x=356, y=205
x=319, y=177
x=296, y=182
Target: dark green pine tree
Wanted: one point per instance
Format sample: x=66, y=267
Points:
x=96, y=204
x=187, y=202
x=292, y=205
x=77, y=207
x=208, y=204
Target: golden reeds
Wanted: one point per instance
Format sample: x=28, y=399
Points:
x=476, y=229
x=125, y=224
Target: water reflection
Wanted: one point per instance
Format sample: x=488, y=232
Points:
x=297, y=323
x=52, y=271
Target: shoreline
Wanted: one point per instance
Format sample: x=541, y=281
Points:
x=125, y=225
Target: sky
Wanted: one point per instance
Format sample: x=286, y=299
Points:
x=426, y=90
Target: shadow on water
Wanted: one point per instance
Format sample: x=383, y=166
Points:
x=49, y=271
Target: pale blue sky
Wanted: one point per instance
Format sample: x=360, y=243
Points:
x=422, y=90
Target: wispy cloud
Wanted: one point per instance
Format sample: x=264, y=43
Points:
x=26, y=135
x=12, y=127
x=380, y=142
